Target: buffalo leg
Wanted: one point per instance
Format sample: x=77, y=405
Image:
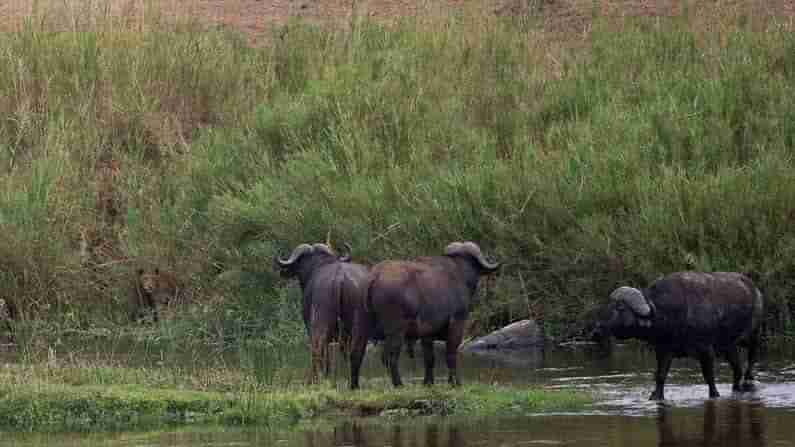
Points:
x=427, y=355
x=343, y=349
x=325, y=350
x=392, y=346
x=385, y=356
x=359, y=337
x=319, y=354
x=327, y=359
x=664, y=359
x=455, y=334
x=358, y=347
x=410, y=346
x=345, y=342
x=707, y=359
x=753, y=357
x=733, y=357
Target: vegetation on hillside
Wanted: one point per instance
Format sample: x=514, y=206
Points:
x=650, y=145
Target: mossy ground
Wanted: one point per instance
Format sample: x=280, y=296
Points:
x=55, y=405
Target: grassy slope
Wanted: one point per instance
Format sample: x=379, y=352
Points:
x=648, y=146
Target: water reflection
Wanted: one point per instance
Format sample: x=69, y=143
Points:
x=361, y=434
x=724, y=423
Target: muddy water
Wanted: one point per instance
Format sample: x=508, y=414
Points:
x=621, y=417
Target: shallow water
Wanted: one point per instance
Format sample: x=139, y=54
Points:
x=621, y=416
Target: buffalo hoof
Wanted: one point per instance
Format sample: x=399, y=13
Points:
x=748, y=387
x=655, y=396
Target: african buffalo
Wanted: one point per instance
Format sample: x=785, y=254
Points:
x=427, y=298
x=334, y=288
x=690, y=313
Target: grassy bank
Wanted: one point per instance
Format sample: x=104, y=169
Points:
x=64, y=407
x=644, y=146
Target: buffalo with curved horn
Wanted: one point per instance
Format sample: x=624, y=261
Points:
x=690, y=314
x=334, y=289
x=426, y=298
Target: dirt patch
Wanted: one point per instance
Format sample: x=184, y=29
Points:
x=256, y=18
x=253, y=17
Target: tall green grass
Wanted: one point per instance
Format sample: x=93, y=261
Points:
x=650, y=146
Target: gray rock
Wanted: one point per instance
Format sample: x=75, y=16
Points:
x=523, y=334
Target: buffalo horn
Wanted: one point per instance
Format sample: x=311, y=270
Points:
x=634, y=299
x=471, y=249
x=297, y=253
x=323, y=248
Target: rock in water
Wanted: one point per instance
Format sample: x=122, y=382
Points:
x=523, y=334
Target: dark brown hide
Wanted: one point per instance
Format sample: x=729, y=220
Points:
x=691, y=314
x=333, y=291
x=427, y=299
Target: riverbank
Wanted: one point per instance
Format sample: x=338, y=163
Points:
x=628, y=418
x=52, y=406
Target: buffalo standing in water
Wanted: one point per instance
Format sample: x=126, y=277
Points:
x=427, y=298
x=333, y=289
x=690, y=314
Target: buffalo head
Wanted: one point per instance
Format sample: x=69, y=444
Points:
x=472, y=251
x=304, y=259
x=627, y=313
x=306, y=255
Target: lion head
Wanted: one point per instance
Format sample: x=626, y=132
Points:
x=153, y=289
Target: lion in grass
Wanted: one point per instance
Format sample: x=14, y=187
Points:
x=153, y=290
x=8, y=314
